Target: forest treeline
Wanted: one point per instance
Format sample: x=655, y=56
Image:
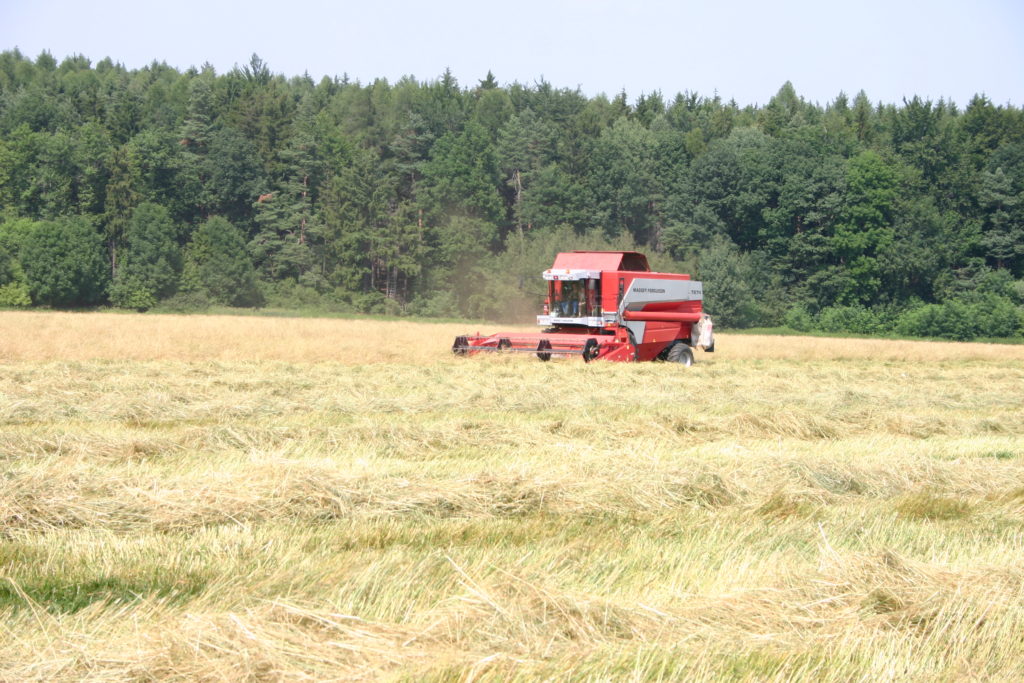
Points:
x=183, y=189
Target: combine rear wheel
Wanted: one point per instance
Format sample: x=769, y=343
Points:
x=680, y=353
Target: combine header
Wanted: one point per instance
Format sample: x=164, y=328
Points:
x=609, y=305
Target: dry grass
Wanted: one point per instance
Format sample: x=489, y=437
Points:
x=40, y=336
x=265, y=499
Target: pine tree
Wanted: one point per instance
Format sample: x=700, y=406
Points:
x=217, y=265
x=121, y=199
x=151, y=261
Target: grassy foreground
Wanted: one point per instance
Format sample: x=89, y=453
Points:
x=218, y=498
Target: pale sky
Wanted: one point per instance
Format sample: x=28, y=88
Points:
x=741, y=49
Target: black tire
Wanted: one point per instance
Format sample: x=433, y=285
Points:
x=590, y=350
x=504, y=344
x=459, y=347
x=680, y=353
x=543, y=344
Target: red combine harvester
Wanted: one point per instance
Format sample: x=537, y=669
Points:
x=609, y=305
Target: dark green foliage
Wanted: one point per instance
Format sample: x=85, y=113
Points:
x=218, y=267
x=232, y=173
x=798, y=318
x=965, y=318
x=735, y=180
x=1001, y=194
x=740, y=289
x=464, y=247
x=864, y=226
x=63, y=263
x=13, y=284
x=850, y=319
x=462, y=175
x=624, y=183
x=429, y=197
x=151, y=263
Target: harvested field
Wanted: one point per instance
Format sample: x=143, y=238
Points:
x=222, y=498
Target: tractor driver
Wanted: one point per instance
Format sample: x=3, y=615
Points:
x=571, y=298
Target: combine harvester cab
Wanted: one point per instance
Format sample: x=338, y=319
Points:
x=609, y=305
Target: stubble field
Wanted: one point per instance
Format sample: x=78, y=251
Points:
x=221, y=498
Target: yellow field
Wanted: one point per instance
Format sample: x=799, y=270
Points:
x=235, y=498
